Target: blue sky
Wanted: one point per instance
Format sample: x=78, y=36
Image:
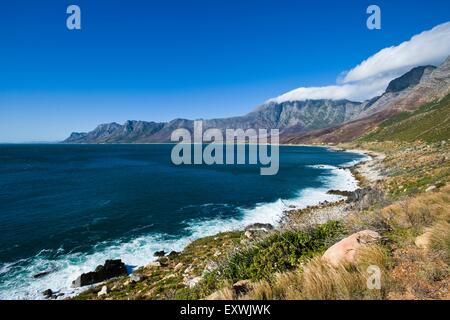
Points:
x=159, y=60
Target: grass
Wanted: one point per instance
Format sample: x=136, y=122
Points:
x=397, y=259
x=287, y=264
x=279, y=252
x=430, y=123
x=416, y=159
x=440, y=239
x=317, y=280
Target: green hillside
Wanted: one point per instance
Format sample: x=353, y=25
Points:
x=430, y=123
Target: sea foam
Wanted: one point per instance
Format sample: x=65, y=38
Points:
x=18, y=281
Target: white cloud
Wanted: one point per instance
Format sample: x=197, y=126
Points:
x=371, y=77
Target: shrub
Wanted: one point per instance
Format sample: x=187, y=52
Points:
x=280, y=252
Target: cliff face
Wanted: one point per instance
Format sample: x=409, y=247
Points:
x=308, y=121
x=300, y=116
x=405, y=94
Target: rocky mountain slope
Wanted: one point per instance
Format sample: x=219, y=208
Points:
x=404, y=94
x=302, y=116
x=308, y=121
x=430, y=123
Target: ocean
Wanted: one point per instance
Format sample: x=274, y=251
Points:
x=64, y=209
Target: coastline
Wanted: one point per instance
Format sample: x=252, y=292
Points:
x=325, y=206
x=367, y=172
x=320, y=213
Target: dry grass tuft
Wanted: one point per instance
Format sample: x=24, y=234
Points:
x=440, y=239
x=418, y=212
x=318, y=280
x=225, y=293
x=262, y=290
x=322, y=281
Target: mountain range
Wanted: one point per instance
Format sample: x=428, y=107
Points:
x=305, y=121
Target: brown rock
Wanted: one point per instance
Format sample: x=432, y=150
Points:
x=345, y=251
x=178, y=266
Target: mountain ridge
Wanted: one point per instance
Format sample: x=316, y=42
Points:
x=302, y=121
x=433, y=87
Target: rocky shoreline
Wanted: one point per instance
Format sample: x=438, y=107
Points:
x=367, y=172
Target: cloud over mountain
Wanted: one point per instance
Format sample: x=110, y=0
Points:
x=371, y=77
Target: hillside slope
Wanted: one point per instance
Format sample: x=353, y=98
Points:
x=434, y=86
x=430, y=123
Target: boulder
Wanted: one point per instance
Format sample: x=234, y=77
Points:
x=103, y=292
x=111, y=269
x=173, y=254
x=48, y=293
x=248, y=234
x=192, y=281
x=345, y=251
x=154, y=264
x=430, y=188
x=161, y=253
x=42, y=274
x=339, y=192
x=188, y=270
x=366, y=197
x=259, y=226
x=211, y=266
x=136, y=277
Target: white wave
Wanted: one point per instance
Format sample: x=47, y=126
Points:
x=20, y=283
x=365, y=157
x=5, y=268
x=322, y=166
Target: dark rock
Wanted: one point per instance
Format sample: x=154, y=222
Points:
x=163, y=261
x=41, y=274
x=161, y=253
x=259, y=226
x=366, y=197
x=173, y=254
x=340, y=193
x=111, y=269
x=409, y=79
x=48, y=293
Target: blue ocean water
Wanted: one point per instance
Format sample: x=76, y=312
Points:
x=67, y=208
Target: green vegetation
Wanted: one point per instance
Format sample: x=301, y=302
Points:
x=430, y=123
x=279, y=252
x=168, y=278
x=417, y=242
